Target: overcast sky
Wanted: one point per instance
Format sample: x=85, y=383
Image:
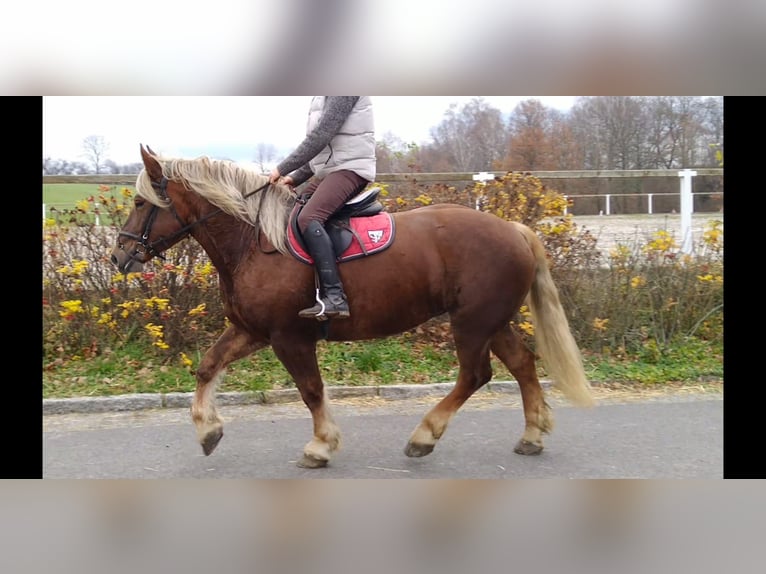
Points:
x=189, y=126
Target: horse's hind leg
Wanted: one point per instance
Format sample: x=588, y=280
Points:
x=475, y=371
x=232, y=345
x=300, y=360
x=509, y=348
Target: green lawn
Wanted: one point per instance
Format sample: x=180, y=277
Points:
x=66, y=195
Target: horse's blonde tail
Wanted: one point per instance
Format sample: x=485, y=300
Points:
x=553, y=337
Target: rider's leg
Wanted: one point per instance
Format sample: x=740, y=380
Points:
x=332, y=301
x=328, y=196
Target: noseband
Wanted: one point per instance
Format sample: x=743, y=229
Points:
x=152, y=249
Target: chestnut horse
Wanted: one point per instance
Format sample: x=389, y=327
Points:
x=476, y=267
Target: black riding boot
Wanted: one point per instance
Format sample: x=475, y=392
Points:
x=333, y=300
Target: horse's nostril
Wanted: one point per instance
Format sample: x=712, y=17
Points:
x=114, y=260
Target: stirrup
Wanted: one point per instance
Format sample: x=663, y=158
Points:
x=322, y=311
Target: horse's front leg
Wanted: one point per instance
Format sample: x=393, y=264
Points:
x=300, y=360
x=232, y=345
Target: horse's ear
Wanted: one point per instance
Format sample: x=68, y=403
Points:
x=153, y=167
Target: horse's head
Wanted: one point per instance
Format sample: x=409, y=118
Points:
x=153, y=225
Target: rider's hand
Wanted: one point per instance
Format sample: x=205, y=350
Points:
x=287, y=180
x=274, y=176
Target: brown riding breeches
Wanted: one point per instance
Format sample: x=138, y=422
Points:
x=328, y=196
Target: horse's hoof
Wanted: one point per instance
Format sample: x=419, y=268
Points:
x=527, y=448
x=211, y=440
x=417, y=450
x=311, y=462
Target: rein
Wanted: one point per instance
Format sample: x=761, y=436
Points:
x=152, y=248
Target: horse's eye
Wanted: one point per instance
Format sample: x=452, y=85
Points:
x=139, y=201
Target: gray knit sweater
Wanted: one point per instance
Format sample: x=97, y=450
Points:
x=337, y=110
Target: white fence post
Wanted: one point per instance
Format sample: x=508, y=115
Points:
x=482, y=177
x=650, y=204
x=687, y=207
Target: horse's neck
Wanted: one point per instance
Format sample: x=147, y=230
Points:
x=226, y=240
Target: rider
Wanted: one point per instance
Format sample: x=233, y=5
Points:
x=339, y=151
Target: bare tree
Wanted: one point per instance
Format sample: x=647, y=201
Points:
x=529, y=128
x=612, y=129
x=471, y=138
x=660, y=146
x=95, y=148
x=393, y=155
x=712, y=121
x=265, y=154
x=565, y=151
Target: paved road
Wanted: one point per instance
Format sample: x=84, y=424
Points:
x=666, y=437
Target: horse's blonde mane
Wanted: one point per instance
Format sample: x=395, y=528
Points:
x=224, y=184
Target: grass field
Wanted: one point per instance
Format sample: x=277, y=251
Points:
x=66, y=195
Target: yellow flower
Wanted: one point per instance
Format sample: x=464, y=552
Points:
x=527, y=327
x=600, y=324
x=161, y=304
x=186, y=361
x=198, y=310
x=619, y=253
x=710, y=278
x=662, y=242
x=71, y=308
x=155, y=332
x=105, y=319
x=127, y=308
x=637, y=282
x=79, y=267
x=713, y=235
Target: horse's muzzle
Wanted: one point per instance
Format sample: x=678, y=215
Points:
x=125, y=263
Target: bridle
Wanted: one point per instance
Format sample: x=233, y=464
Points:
x=154, y=248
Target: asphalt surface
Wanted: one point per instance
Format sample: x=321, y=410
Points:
x=667, y=435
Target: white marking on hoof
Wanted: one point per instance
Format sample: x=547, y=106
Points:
x=317, y=450
x=422, y=436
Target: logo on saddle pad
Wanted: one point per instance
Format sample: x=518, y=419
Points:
x=352, y=238
x=376, y=235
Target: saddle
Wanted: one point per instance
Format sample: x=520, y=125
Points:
x=358, y=229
